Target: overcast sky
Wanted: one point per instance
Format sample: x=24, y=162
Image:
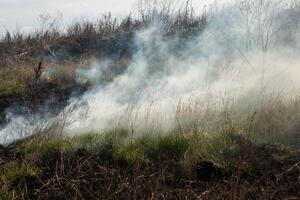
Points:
x=23, y=14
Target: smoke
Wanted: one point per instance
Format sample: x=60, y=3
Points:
x=94, y=73
x=246, y=54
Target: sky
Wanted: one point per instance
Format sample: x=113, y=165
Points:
x=23, y=15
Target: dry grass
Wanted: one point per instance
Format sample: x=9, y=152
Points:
x=15, y=79
x=256, y=150
x=106, y=37
x=115, y=167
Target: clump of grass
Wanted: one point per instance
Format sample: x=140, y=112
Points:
x=8, y=195
x=165, y=148
x=128, y=152
x=37, y=147
x=15, y=172
x=15, y=79
x=215, y=147
x=89, y=141
x=11, y=87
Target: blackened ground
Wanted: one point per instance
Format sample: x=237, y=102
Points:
x=37, y=98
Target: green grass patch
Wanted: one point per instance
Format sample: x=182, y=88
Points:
x=165, y=148
x=128, y=151
x=14, y=79
x=15, y=172
x=221, y=147
x=11, y=87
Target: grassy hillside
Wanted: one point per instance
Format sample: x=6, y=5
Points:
x=167, y=104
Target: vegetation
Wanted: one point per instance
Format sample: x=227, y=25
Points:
x=228, y=153
x=102, y=166
x=14, y=79
x=235, y=161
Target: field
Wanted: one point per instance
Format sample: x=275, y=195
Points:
x=163, y=104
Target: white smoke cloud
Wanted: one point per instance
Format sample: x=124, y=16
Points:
x=238, y=56
x=226, y=61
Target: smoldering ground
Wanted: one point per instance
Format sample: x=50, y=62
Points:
x=245, y=57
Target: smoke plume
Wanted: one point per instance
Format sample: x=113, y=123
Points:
x=246, y=55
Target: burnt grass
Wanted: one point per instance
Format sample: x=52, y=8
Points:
x=256, y=171
x=36, y=97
